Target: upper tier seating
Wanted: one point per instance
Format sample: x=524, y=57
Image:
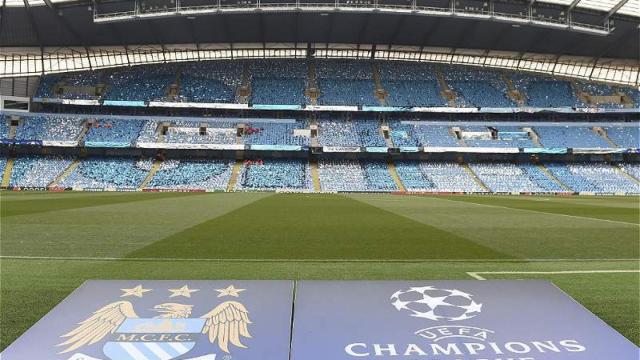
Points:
x=275, y=174
x=191, y=174
x=345, y=82
x=350, y=133
x=410, y=84
x=353, y=175
x=121, y=133
x=428, y=135
x=50, y=128
x=570, y=137
x=477, y=87
x=218, y=132
x=599, y=178
x=628, y=136
x=4, y=127
x=544, y=92
x=280, y=82
x=213, y=82
x=140, y=83
x=435, y=177
x=275, y=133
x=37, y=171
x=109, y=172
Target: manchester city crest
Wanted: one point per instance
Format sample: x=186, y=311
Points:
x=164, y=320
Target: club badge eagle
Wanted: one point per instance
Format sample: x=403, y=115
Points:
x=172, y=333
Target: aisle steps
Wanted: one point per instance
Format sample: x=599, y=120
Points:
x=154, y=169
x=65, y=173
x=475, y=177
x=234, y=175
x=394, y=174
x=315, y=176
x=553, y=177
x=6, y=176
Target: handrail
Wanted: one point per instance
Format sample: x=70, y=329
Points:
x=340, y=5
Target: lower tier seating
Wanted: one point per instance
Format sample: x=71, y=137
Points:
x=37, y=171
x=191, y=174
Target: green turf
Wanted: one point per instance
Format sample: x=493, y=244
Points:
x=296, y=236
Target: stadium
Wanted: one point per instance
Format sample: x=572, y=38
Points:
x=450, y=154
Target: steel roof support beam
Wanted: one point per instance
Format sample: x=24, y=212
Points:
x=68, y=27
x=614, y=10
x=27, y=8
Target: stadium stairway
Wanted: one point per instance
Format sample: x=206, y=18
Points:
x=475, y=177
x=12, y=132
x=85, y=129
x=154, y=169
x=582, y=95
x=6, y=176
x=600, y=131
x=65, y=173
x=533, y=135
x=553, y=177
x=624, y=173
x=446, y=92
x=244, y=90
x=512, y=92
x=234, y=175
x=315, y=175
x=380, y=94
x=394, y=175
x=312, y=84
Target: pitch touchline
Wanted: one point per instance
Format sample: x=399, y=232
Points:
x=476, y=274
x=80, y=258
x=543, y=212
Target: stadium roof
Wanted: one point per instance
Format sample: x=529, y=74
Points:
x=525, y=26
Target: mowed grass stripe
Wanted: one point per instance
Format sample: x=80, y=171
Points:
x=316, y=227
x=60, y=201
x=624, y=214
x=112, y=230
x=521, y=234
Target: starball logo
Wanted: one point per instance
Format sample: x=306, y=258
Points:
x=448, y=338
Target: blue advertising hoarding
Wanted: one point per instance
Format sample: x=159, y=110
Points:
x=163, y=320
x=448, y=320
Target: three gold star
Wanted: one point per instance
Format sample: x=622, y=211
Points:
x=183, y=291
x=229, y=291
x=136, y=291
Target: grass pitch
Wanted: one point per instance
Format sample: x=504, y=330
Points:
x=52, y=242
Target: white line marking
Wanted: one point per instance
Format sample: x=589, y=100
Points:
x=65, y=258
x=540, y=212
x=476, y=274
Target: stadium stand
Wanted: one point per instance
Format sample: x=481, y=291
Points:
x=214, y=82
x=105, y=172
x=350, y=133
x=275, y=133
x=352, y=175
x=51, y=128
x=476, y=87
x=593, y=177
x=544, y=92
x=217, y=132
x=436, y=177
x=140, y=83
x=113, y=133
x=410, y=84
x=506, y=178
x=37, y=171
x=275, y=174
x=628, y=137
x=344, y=82
x=279, y=82
x=189, y=174
x=563, y=136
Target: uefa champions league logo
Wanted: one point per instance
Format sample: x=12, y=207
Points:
x=450, y=305
x=428, y=302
